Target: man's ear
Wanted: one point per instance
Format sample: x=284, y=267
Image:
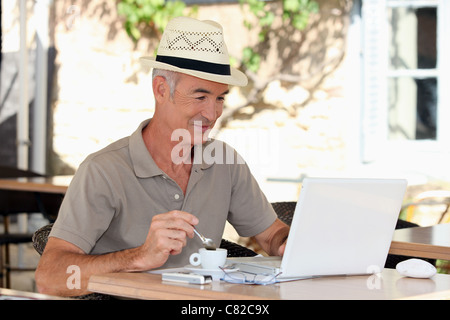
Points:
x=161, y=89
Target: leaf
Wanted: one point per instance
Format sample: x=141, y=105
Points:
x=268, y=19
x=291, y=5
x=251, y=59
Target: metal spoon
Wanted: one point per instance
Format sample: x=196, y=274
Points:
x=207, y=243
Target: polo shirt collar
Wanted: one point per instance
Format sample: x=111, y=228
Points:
x=143, y=163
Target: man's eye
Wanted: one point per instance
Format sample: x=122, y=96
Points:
x=201, y=98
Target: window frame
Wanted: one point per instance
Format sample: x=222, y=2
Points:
x=376, y=145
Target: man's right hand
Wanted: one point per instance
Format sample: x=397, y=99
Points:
x=166, y=236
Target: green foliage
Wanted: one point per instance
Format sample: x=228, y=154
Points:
x=155, y=13
x=298, y=12
x=251, y=59
x=443, y=266
x=295, y=13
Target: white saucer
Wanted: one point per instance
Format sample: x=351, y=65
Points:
x=216, y=274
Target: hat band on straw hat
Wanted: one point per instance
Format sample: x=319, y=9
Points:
x=184, y=63
x=196, y=48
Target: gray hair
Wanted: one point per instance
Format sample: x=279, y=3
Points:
x=170, y=76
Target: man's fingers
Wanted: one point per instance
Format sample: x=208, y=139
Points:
x=189, y=218
x=169, y=241
x=178, y=220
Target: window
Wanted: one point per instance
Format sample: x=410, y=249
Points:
x=405, y=99
x=412, y=73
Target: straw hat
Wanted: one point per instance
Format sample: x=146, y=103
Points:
x=196, y=48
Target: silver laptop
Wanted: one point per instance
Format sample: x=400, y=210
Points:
x=339, y=227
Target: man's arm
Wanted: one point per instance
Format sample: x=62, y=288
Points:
x=167, y=236
x=53, y=275
x=273, y=239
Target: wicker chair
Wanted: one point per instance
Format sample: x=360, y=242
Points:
x=285, y=210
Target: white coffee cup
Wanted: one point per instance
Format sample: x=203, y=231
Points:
x=209, y=259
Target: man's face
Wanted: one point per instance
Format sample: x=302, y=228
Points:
x=196, y=105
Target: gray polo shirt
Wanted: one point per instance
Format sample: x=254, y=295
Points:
x=116, y=191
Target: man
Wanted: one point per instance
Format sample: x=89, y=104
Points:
x=133, y=206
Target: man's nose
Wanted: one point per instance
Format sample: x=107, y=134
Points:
x=212, y=111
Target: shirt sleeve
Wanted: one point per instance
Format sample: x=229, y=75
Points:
x=87, y=209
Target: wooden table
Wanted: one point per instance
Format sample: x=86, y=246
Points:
x=386, y=285
x=56, y=184
x=37, y=194
x=424, y=242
